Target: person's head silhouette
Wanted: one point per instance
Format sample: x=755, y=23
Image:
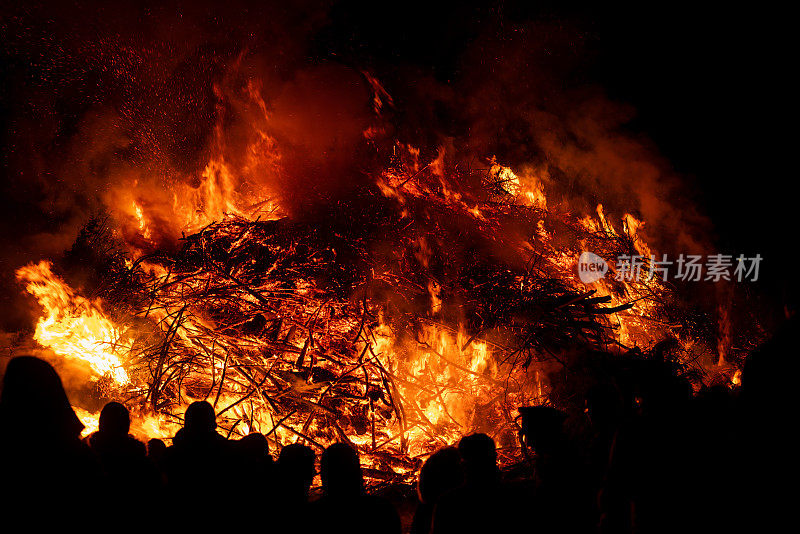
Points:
x=340, y=471
x=296, y=465
x=440, y=473
x=542, y=427
x=480, y=458
x=33, y=402
x=115, y=420
x=254, y=446
x=156, y=449
x=200, y=418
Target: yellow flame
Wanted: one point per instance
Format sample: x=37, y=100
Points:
x=526, y=186
x=73, y=326
x=444, y=380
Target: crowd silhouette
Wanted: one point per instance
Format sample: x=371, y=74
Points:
x=649, y=456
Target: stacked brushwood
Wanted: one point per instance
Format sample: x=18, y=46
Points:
x=277, y=322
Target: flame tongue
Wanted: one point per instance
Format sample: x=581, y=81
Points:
x=73, y=326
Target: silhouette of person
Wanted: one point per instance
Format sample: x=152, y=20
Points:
x=254, y=450
x=344, y=506
x=441, y=473
x=295, y=474
x=714, y=489
x=45, y=463
x=156, y=449
x=127, y=471
x=766, y=408
x=156, y=452
x=563, y=497
x=253, y=468
x=197, y=464
x=647, y=480
x=480, y=505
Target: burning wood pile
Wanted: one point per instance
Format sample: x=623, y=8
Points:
x=431, y=306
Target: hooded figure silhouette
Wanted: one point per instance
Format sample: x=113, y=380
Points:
x=45, y=464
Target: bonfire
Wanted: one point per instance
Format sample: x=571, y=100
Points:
x=432, y=303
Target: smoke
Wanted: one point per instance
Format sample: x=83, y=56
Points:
x=319, y=118
x=154, y=113
x=525, y=97
x=103, y=107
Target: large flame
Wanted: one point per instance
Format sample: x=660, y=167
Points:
x=73, y=326
x=410, y=393
x=447, y=380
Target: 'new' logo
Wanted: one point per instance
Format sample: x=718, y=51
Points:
x=591, y=267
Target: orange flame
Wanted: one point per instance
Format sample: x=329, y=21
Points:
x=73, y=326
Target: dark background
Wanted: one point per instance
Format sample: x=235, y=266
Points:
x=712, y=89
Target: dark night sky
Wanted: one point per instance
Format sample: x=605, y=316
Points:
x=710, y=86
